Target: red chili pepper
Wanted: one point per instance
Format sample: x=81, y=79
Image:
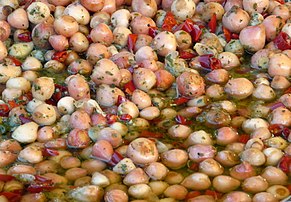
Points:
x=22, y=100
x=28, y=96
x=192, y=194
x=287, y=91
x=89, y=38
x=279, y=130
x=285, y=164
x=111, y=118
x=227, y=34
x=63, y=89
x=149, y=134
x=25, y=36
x=11, y=196
x=153, y=31
x=289, y=187
x=186, y=54
x=120, y=99
x=116, y=157
x=280, y=1
x=40, y=187
x=187, y=26
x=125, y=117
x=6, y=178
x=132, y=38
x=39, y=178
x=13, y=104
x=169, y=22
x=244, y=138
x=282, y=41
x=217, y=195
x=24, y=119
x=49, y=152
x=60, y=56
x=129, y=87
x=181, y=100
x=212, y=23
x=209, y=62
x=276, y=129
x=181, y=120
x=234, y=36
x=285, y=133
x=194, y=166
x=27, y=3
x=179, y=145
x=57, y=95
x=195, y=34
x=14, y=60
x=4, y=110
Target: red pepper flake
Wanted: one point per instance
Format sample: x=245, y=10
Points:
x=25, y=36
x=89, y=38
x=129, y=87
x=14, y=60
x=125, y=117
x=279, y=130
x=22, y=100
x=46, y=152
x=13, y=104
x=182, y=120
x=234, y=36
x=179, y=145
x=40, y=187
x=40, y=184
x=120, y=99
x=27, y=3
x=192, y=194
x=217, y=195
x=149, y=134
x=285, y=133
x=153, y=31
x=212, y=24
x=60, y=56
x=116, y=157
x=227, y=34
x=42, y=179
x=6, y=178
x=287, y=91
x=169, y=22
x=111, y=118
x=285, y=164
x=280, y=1
x=132, y=38
x=187, y=54
x=187, y=26
x=244, y=138
x=195, y=34
x=28, y=96
x=194, y=166
x=276, y=129
x=11, y=196
x=181, y=100
x=282, y=41
x=209, y=62
x=4, y=110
